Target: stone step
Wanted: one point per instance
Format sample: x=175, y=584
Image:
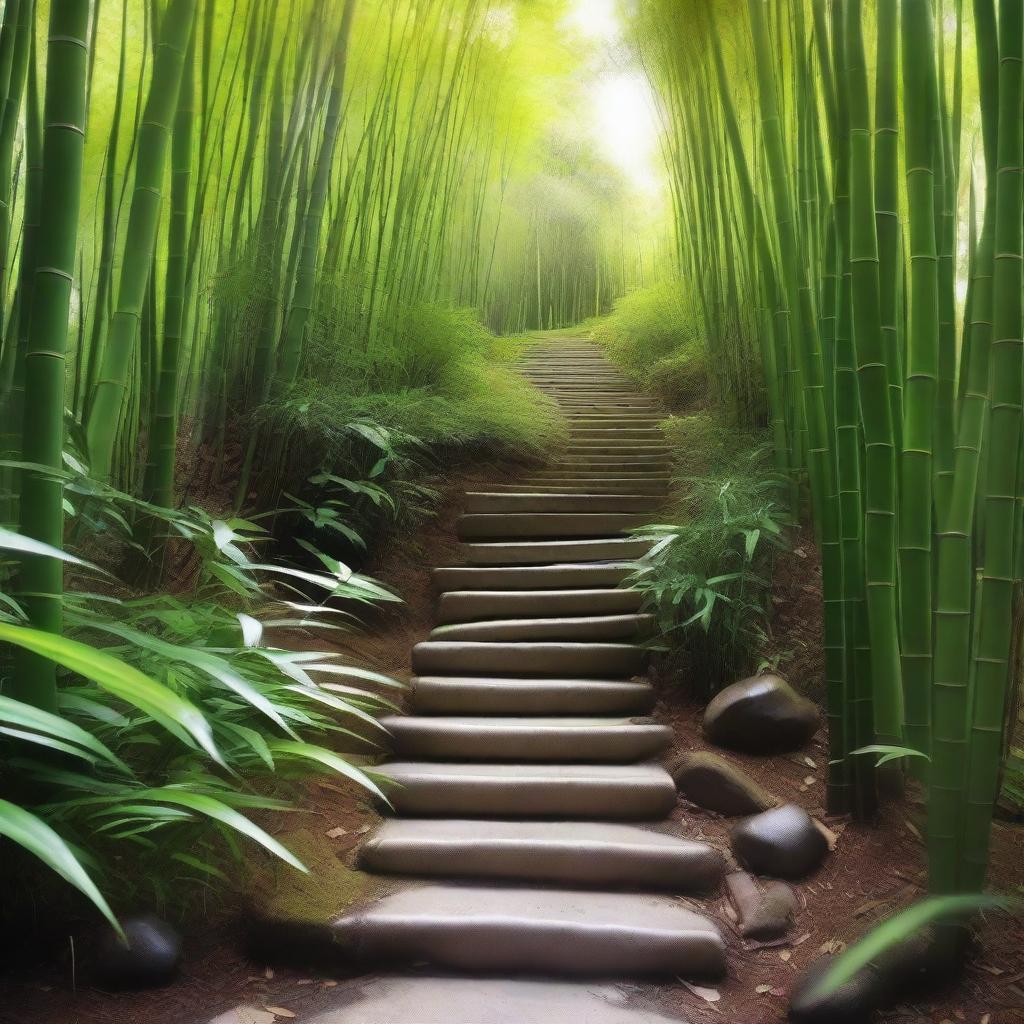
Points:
x=638, y=487
x=532, y=577
x=614, y=434
x=613, y=459
x=399, y=999
x=590, y=740
x=467, y=658
x=471, y=605
x=541, y=552
x=630, y=792
x=536, y=931
x=568, y=852
x=486, y=526
x=452, y=695
x=527, y=500
x=576, y=628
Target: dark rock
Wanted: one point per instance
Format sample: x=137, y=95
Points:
x=783, y=842
x=764, y=909
x=150, y=959
x=917, y=966
x=852, y=1003
x=760, y=715
x=711, y=782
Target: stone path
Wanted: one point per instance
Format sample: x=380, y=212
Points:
x=529, y=795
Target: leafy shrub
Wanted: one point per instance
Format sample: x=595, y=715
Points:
x=680, y=379
x=648, y=326
x=708, y=580
x=172, y=708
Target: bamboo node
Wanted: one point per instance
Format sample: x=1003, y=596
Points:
x=56, y=272
x=73, y=40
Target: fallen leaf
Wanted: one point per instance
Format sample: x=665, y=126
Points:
x=709, y=995
x=763, y=989
x=803, y=789
x=866, y=908
x=802, y=939
x=914, y=831
x=362, y=829
x=832, y=946
x=279, y=1011
x=809, y=761
x=785, y=954
x=328, y=984
x=245, y=1015
x=799, y=552
x=810, y=780
x=986, y=1019
x=992, y=969
x=778, y=991
x=831, y=837
x=336, y=833
x=268, y=973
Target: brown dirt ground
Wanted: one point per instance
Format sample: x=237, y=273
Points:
x=875, y=870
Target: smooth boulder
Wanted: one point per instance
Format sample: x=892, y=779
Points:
x=783, y=842
x=709, y=781
x=760, y=715
x=150, y=958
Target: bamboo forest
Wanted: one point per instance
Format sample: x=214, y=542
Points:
x=511, y=511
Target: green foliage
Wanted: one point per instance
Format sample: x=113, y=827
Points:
x=707, y=580
x=899, y=928
x=172, y=709
x=441, y=383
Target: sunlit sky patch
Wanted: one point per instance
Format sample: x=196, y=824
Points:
x=623, y=120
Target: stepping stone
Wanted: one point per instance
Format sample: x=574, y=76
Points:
x=568, y=852
x=528, y=500
x=783, y=842
x=467, y=605
x=596, y=740
x=709, y=781
x=538, y=931
x=544, y=552
x=461, y=658
x=453, y=696
x=567, y=524
x=534, y=577
x=595, y=627
x=439, y=1000
x=760, y=715
x=635, y=792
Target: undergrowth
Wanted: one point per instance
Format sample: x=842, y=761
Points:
x=179, y=715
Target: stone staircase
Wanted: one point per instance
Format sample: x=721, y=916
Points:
x=527, y=750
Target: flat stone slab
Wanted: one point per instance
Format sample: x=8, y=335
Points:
x=545, y=552
x=580, y=627
x=532, y=577
x=471, y=605
x=528, y=500
x=546, y=524
x=597, y=740
x=634, y=792
x=568, y=852
x=483, y=696
x=551, y=932
x=454, y=657
x=437, y=1000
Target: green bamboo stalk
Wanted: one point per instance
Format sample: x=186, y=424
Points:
x=1003, y=484
x=915, y=507
x=109, y=390
x=873, y=380
x=42, y=513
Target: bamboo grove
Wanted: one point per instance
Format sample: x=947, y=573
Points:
x=234, y=205
x=847, y=181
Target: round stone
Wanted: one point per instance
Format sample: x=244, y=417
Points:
x=760, y=715
x=151, y=957
x=783, y=842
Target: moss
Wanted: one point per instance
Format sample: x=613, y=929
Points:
x=281, y=893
